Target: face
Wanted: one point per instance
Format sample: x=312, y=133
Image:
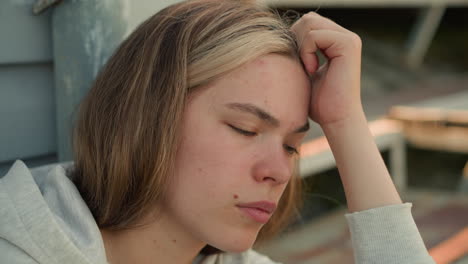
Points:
x=237, y=151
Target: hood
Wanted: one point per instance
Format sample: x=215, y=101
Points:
x=43, y=218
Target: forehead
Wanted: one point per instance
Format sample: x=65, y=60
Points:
x=274, y=82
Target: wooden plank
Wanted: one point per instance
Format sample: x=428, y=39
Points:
x=26, y=111
x=439, y=123
x=428, y=115
x=442, y=138
x=25, y=37
x=451, y=108
x=316, y=155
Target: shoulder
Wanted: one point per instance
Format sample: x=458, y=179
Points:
x=247, y=257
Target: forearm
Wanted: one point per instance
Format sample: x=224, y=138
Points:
x=365, y=177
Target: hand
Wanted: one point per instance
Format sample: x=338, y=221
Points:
x=335, y=94
x=336, y=105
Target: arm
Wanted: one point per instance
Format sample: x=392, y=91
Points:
x=336, y=105
x=365, y=178
x=382, y=228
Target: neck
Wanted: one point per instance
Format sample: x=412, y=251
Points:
x=160, y=241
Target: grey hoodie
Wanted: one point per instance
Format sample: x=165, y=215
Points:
x=43, y=219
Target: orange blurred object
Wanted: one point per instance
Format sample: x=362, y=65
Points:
x=451, y=249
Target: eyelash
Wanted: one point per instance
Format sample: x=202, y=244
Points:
x=243, y=132
x=290, y=150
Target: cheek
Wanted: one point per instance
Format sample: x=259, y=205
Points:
x=212, y=163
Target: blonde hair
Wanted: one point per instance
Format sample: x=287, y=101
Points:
x=127, y=131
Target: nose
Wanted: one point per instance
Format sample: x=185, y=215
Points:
x=273, y=166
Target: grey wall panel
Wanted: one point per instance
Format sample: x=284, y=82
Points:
x=27, y=111
x=24, y=37
x=31, y=163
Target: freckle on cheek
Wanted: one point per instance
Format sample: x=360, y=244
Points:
x=236, y=196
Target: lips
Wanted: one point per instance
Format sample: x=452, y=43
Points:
x=266, y=206
x=258, y=211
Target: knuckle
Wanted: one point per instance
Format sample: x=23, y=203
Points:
x=355, y=40
x=311, y=34
x=309, y=16
x=311, y=13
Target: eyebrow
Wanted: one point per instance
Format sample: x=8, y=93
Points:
x=263, y=115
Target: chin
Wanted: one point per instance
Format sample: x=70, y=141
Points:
x=236, y=243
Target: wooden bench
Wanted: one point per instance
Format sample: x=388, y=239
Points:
x=316, y=155
x=437, y=124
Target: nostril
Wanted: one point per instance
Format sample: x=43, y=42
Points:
x=270, y=178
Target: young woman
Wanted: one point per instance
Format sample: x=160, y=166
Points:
x=186, y=147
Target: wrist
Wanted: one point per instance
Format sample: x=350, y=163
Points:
x=354, y=120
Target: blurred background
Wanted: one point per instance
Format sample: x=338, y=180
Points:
x=414, y=91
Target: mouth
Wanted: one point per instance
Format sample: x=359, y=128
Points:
x=258, y=211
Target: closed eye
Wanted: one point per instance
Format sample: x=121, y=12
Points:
x=291, y=150
x=243, y=132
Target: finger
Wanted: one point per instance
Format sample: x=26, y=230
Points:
x=310, y=61
x=313, y=20
x=331, y=43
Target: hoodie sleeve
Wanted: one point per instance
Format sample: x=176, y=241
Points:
x=387, y=235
